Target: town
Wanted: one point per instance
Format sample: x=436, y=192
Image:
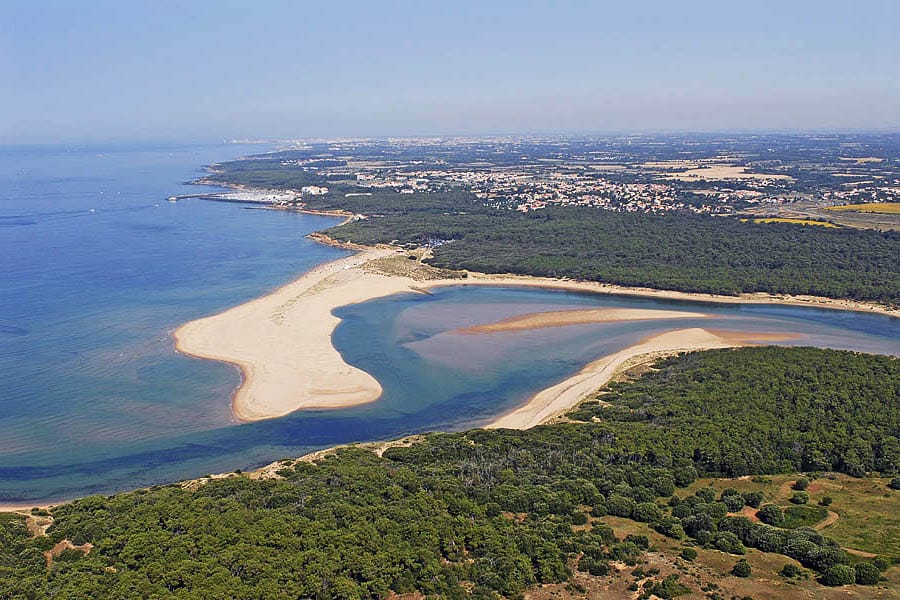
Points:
x=716, y=175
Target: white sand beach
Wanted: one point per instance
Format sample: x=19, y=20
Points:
x=282, y=341
x=565, y=395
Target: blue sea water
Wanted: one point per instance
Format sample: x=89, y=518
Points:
x=96, y=270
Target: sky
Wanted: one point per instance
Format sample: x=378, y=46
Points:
x=82, y=71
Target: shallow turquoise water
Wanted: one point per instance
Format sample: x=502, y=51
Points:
x=94, y=399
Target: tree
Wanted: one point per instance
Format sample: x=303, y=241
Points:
x=839, y=575
x=733, y=500
x=620, y=506
x=867, y=573
x=799, y=498
x=646, y=512
x=801, y=484
x=741, y=569
x=771, y=514
x=753, y=499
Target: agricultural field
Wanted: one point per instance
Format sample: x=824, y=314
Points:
x=882, y=208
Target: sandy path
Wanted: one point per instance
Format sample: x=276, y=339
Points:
x=828, y=521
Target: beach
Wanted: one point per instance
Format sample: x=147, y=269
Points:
x=282, y=341
x=556, y=400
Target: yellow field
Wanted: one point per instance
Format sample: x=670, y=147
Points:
x=795, y=221
x=885, y=208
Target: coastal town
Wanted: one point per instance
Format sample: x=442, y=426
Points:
x=754, y=175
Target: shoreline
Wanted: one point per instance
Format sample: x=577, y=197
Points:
x=551, y=403
x=281, y=342
x=369, y=389
x=591, y=286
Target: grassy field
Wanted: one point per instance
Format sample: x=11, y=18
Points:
x=803, y=516
x=710, y=572
x=794, y=221
x=885, y=208
x=868, y=511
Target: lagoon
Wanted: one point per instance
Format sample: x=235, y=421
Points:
x=94, y=399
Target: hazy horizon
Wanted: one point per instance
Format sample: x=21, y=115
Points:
x=106, y=72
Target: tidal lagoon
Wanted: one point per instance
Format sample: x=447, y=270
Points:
x=98, y=270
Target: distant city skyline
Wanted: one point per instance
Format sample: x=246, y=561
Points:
x=108, y=71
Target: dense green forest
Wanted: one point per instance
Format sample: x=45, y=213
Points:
x=483, y=514
x=684, y=252
x=678, y=252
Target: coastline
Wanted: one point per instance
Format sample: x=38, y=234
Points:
x=553, y=402
x=281, y=342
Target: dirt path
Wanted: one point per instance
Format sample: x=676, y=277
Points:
x=61, y=547
x=859, y=553
x=828, y=521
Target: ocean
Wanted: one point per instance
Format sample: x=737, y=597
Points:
x=97, y=269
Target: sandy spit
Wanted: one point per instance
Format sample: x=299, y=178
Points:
x=565, y=395
x=282, y=341
x=586, y=316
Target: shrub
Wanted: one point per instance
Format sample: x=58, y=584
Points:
x=826, y=501
x=688, y=554
x=839, y=575
x=593, y=566
x=670, y=526
x=800, y=498
x=895, y=483
x=801, y=484
x=790, y=571
x=867, y=574
x=729, y=542
x=741, y=569
x=753, y=499
x=771, y=515
x=641, y=541
x=665, y=589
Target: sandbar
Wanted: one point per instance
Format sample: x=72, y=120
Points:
x=282, y=345
x=282, y=341
x=586, y=316
x=565, y=395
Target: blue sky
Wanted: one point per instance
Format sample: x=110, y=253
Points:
x=153, y=70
